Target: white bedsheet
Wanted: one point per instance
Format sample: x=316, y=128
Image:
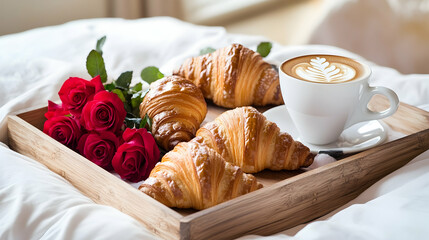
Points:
x=37, y=204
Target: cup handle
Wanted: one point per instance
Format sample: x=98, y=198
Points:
x=363, y=113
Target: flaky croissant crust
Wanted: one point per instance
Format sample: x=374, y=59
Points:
x=193, y=175
x=244, y=137
x=176, y=107
x=233, y=76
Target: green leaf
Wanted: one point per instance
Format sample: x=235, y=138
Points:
x=136, y=112
x=120, y=94
x=136, y=99
x=100, y=44
x=95, y=65
x=131, y=115
x=128, y=108
x=146, y=121
x=264, y=48
x=109, y=87
x=151, y=74
x=137, y=88
x=124, y=80
x=144, y=93
x=133, y=122
x=207, y=50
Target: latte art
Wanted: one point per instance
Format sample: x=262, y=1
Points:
x=327, y=69
x=320, y=70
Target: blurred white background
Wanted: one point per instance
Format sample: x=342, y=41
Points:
x=393, y=33
x=260, y=17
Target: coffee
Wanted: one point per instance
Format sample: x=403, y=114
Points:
x=324, y=68
x=320, y=109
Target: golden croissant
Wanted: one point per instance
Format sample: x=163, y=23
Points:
x=177, y=109
x=195, y=176
x=244, y=137
x=233, y=76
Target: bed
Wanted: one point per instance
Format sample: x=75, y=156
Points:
x=36, y=203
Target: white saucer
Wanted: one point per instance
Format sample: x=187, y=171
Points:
x=356, y=138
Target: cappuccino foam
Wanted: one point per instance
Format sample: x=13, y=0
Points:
x=323, y=68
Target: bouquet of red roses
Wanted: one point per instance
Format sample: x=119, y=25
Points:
x=95, y=123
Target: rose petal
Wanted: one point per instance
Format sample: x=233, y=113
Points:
x=105, y=112
x=99, y=147
x=137, y=156
x=64, y=129
x=75, y=92
x=96, y=81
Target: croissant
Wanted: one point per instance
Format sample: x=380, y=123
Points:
x=177, y=109
x=245, y=138
x=195, y=176
x=233, y=76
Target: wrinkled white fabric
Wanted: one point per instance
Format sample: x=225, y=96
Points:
x=393, y=208
x=36, y=203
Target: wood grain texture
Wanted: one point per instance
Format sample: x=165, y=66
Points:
x=96, y=183
x=305, y=196
x=289, y=198
x=407, y=119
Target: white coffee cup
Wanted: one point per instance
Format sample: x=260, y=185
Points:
x=325, y=94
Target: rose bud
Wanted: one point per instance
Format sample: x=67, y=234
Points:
x=76, y=92
x=63, y=129
x=137, y=156
x=105, y=112
x=55, y=110
x=99, y=148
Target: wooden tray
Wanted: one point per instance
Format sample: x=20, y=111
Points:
x=288, y=198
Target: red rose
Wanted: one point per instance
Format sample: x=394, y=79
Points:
x=76, y=92
x=105, y=112
x=137, y=156
x=63, y=129
x=99, y=148
x=55, y=110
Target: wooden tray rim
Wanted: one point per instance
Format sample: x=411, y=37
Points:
x=184, y=224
